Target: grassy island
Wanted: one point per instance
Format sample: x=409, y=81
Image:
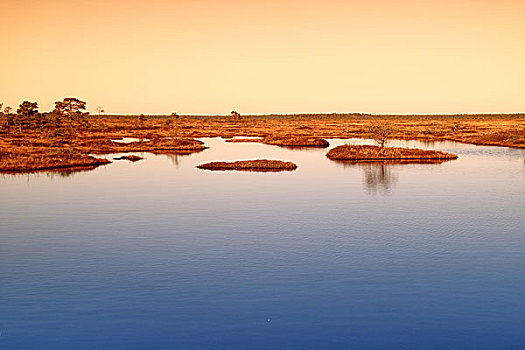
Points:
x=296, y=141
x=46, y=159
x=376, y=153
x=261, y=165
x=131, y=158
x=155, y=145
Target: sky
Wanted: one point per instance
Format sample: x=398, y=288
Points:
x=265, y=56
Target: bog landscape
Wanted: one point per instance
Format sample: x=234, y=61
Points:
x=262, y=174
x=68, y=137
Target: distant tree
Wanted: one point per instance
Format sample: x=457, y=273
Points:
x=7, y=117
x=142, y=120
x=175, y=119
x=381, y=132
x=27, y=115
x=235, y=115
x=71, y=111
x=3, y=122
x=100, y=110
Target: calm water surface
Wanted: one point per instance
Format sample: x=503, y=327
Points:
x=160, y=255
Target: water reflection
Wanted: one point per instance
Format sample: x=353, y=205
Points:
x=176, y=158
x=130, y=140
x=52, y=173
x=69, y=172
x=378, y=178
x=148, y=256
x=428, y=143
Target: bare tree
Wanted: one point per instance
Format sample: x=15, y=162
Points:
x=100, y=110
x=381, y=132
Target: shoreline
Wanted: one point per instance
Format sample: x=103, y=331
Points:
x=169, y=135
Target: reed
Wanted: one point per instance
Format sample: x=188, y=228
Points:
x=260, y=165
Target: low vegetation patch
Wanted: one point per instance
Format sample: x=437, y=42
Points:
x=250, y=165
x=296, y=141
x=156, y=145
x=12, y=162
x=368, y=153
x=131, y=158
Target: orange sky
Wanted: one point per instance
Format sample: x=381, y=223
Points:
x=286, y=56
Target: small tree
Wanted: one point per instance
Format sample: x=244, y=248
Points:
x=71, y=110
x=27, y=115
x=142, y=120
x=2, y=121
x=174, y=119
x=8, y=117
x=100, y=110
x=381, y=132
x=235, y=115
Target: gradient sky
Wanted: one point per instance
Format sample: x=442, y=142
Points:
x=285, y=56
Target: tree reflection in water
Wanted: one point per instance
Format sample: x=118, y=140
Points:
x=68, y=172
x=378, y=177
x=175, y=157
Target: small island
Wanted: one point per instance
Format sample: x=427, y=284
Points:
x=376, y=153
x=131, y=158
x=155, y=145
x=15, y=162
x=296, y=141
x=260, y=165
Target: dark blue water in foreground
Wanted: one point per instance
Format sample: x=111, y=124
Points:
x=160, y=255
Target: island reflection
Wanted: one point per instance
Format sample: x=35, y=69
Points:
x=379, y=176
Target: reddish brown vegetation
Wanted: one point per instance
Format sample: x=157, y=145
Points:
x=296, y=141
x=95, y=138
x=251, y=165
x=24, y=154
x=368, y=153
x=155, y=145
x=45, y=159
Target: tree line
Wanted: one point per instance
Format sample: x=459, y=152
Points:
x=70, y=113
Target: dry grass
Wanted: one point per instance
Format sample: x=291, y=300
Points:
x=296, y=141
x=30, y=153
x=178, y=137
x=45, y=159
x=498, y=130
x=261, y=165
x=155, y=145
x=368, y=153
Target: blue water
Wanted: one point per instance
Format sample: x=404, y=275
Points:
x=160, y=255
